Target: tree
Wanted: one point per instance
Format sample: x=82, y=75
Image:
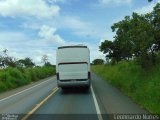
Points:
x=122, y=40
x=111, y=50
x=5, y=51
x=44, y=59
x=27, y=62
x=10, y=61
x=155, y=21
x=5, y=60
x=48, y=64
x=2, y=64
x=98, y=62
x=137, y=36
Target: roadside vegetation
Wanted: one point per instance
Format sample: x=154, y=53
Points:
x=11, y=78
x=137, y=37
x=133, y=58
x=15, y=73
x=142, y=86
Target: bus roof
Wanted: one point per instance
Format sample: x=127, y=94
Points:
x=75, y=46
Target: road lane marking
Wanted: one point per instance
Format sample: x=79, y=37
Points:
x=24, y=90
x=96, y=105
x=39, y=104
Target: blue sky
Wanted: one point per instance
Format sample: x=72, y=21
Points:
x=33, y=28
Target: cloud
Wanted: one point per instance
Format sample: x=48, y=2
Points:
x=55, y=1
x=49, y=34
x=74, y=23
x=117, y=2
x=13, y=41
x=146, y=9
x=12, y=37
x=28, y=8
x=80, y=27
x=94, y=52
x=51, y=53
x=19, y=46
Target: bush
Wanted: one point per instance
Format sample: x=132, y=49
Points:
x=15, y=76
x=3, y=76
x=37, y=73
x=142, y=86
x=3, y=86
x=11, y=78
x=32, y=74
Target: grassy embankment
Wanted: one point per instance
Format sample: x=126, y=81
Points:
x=142, y=86
x=11, y=78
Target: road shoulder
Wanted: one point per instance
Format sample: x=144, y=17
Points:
x=22, y=88
x=113, y=100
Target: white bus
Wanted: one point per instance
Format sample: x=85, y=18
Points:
x=73, y=66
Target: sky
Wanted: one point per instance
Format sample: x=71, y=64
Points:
x=33, y=28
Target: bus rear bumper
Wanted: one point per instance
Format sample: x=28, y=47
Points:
x=73, y=83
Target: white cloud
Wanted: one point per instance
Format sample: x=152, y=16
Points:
x=13, y=42
x=74, y=23
x=55, y=1
x=39, y=53
x=80, y=27
x=12, y=37
x=117, y=2
x=25, y=8
x=48, y=33
x=20, y=46
x=94, y=52
x=30, y=25
x=146, y=9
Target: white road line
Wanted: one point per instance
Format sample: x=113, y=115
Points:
x=96, y=105
x=25, y=90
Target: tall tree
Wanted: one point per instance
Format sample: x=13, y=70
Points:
x=122, y=38
x=155, y=21
x=44, y=59
x=27, y=62
x=98, y=62
x=111, y=49
x=138, y=36
x=5, y=52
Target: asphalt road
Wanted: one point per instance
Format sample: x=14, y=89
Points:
x=43, y=100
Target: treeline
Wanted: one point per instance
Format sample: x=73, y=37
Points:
x=15, y=73
x=8, y=61
x=137, y=37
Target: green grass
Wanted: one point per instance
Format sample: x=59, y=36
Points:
x=11, y=78
x=142, y=86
